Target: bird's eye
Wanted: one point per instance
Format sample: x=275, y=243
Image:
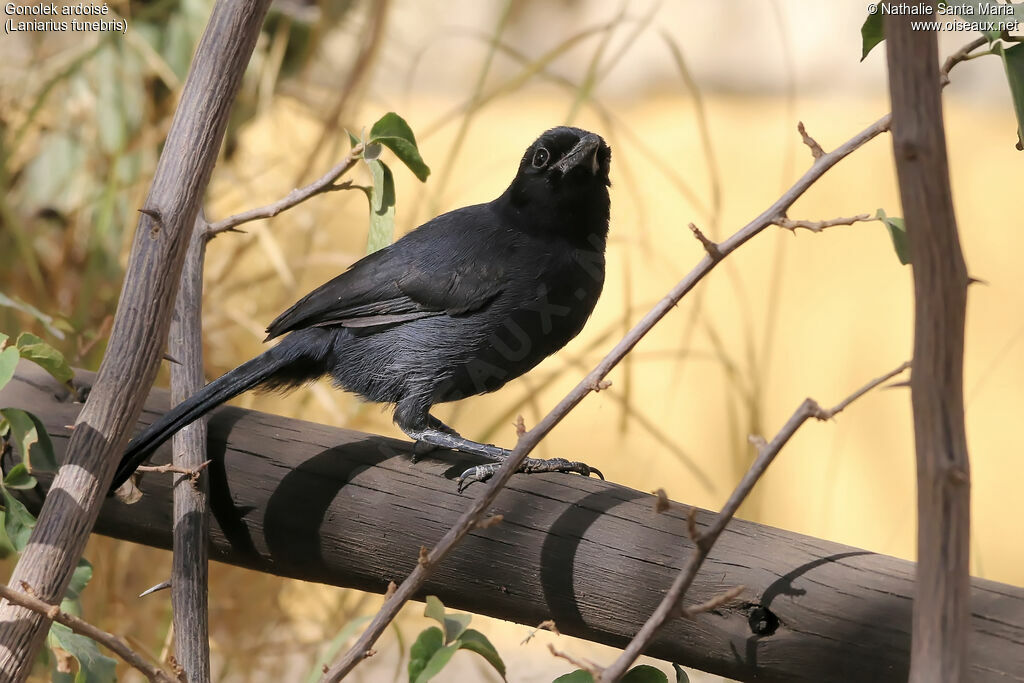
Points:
x=541, y=157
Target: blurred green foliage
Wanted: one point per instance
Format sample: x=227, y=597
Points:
x=81, y=138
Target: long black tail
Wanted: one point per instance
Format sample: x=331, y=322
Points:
x=259, y=370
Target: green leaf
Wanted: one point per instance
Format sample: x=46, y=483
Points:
x=645, y=673
x=330, y=652
x=18, y=304
x=454, y=624
x=8, y=362
x=382, y=207
x=438, y=662
x=1013, y=60
x=79, y=579
x=871, y=33
x=681, y=675
x=19, y=478
x=898, y=233
x=577, y=676
x=477, y=642
x=394, y=133
x=93, y=666
x=33, y=441
x=45, y=356
x=352, y=139
x=427, y=644
x=18, y=521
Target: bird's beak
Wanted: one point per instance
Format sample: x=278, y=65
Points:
x=584, y=154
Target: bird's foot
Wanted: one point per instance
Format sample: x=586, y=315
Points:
x=439, y=435
x=529, y=466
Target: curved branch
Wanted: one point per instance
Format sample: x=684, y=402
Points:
x=115, y=644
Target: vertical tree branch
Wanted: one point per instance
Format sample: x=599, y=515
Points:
x=140, y=326
x=941, y=612
x=191, y=519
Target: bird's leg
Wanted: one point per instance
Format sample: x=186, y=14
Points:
x=440, y=435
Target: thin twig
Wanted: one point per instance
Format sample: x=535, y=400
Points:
x=714, y=603
x=297, y=196
x=961, y=55
x=818, y=226
x=192, y=472
x=115, y=644
x=590, y=667
x=816, y=151
x=672, y=600
x=530, y=439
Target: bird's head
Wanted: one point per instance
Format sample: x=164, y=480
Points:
x=563, y=177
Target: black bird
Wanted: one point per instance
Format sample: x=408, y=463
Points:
x=458, y=307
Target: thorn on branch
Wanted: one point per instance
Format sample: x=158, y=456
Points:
x=661, y=502
x=163, y=585
x=546, y=625
x=488, y=522
x=392, y=587
x=691, y=525
x=171, y=359
x=152, y=213
x=709, y=245
x=424, y=559
x=519, y=425
x=816, y=151
x=818, y=226
x=758, y=442
x=714, y=603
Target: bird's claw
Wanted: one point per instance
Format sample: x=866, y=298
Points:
x=420, y=449
x=529, y=466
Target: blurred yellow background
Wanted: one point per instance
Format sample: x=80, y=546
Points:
x=789, y=315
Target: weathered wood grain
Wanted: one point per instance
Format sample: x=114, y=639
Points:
x=324, y=504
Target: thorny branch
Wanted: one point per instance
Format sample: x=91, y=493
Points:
x=670, y=606
x=115, y=644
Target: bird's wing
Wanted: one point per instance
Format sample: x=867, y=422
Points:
x=417, y=277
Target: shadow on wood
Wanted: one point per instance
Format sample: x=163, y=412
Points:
x=331, y=505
